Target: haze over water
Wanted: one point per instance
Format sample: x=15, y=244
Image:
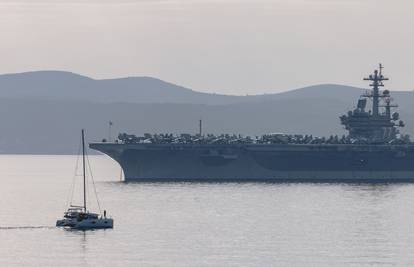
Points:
x=182, y=224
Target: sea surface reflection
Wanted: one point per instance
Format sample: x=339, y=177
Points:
x=201, y=224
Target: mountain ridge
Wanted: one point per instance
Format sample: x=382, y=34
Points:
x=71, y=85
x=41, y=115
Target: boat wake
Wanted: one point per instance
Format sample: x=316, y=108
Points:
x=25, y=227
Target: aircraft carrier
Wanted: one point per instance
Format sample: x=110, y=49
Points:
x=374, y=150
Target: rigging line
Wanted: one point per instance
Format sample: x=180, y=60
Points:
x=93, y=182
x=94, y=186
x=75, y=173
x=88, y=200
x=72, y=189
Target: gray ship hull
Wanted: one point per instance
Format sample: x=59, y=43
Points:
x=262, y=162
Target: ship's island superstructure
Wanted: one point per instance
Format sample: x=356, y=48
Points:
x=373, y=150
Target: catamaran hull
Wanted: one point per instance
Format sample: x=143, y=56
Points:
x=87, y=224
x=94, y=224
x=273, y=163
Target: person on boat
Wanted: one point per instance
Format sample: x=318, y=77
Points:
x=104, y=213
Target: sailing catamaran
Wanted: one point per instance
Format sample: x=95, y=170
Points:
x=79, y=217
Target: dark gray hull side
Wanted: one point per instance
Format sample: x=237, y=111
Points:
x=273, y=163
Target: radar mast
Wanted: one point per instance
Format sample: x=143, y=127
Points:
x=376, y=79
x=374, y=125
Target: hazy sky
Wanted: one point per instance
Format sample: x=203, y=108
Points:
x=222, y=46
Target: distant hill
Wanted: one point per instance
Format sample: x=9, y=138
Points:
x=60, y=85
x=43, y=112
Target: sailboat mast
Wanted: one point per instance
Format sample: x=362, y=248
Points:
x=84, y=169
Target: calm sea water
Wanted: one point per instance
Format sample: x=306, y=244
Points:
x=184, y=224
